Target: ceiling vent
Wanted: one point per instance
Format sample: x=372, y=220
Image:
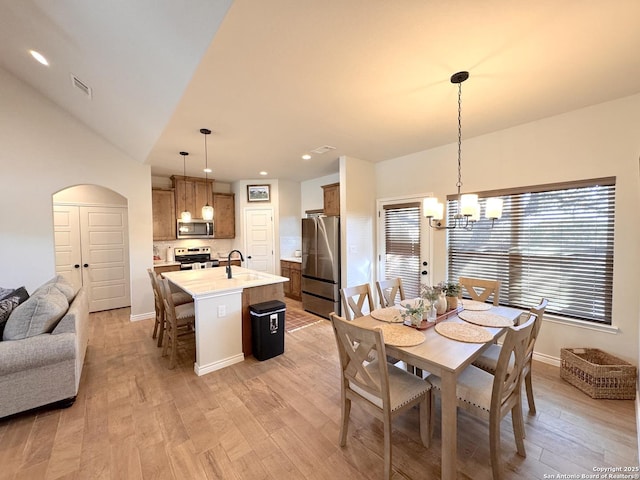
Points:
x=323, y=149
x=80, y=85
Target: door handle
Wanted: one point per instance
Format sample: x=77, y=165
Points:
x=248, y=257
x=424, y=272
x=76, y=265
x=424, y=264
x=85, y=265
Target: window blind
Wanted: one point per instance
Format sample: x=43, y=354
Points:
x=402, y=245
x=555, y=243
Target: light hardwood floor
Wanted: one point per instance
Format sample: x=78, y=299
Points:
x=278, y=419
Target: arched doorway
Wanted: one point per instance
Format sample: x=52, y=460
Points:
x=92, y=243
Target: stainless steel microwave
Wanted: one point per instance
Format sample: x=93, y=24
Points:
x=195, y=229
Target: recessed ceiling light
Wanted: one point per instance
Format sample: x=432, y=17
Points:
x=306, y=156
x=39, y=57
x=263, y=173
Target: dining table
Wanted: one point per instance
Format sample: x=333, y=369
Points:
x=446, y=358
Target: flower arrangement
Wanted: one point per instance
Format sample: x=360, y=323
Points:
x=452, y=289
x=413, y=312
x=429, y=293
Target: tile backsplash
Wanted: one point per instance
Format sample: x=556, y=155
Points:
x=218, y=247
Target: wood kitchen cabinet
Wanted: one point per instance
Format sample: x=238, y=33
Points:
x=163, y=208
x=331, y=199
x=193, y=193
x=224, y=206
x=291, y=270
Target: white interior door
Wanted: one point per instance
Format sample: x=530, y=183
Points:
x=259, y=239
x=92, y=251
x=66, y=227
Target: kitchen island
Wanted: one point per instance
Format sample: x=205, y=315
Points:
x=223, y=328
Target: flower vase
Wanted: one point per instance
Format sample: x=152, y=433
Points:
x=432, y=313
x=452, y=303
x=441, y=304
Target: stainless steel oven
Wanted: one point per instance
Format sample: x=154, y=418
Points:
x=195, y=229
x=195, y=258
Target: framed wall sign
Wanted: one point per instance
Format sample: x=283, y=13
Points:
x=258, y=193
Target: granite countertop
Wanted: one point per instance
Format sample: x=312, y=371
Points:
x=214, y=280
x=292, y=259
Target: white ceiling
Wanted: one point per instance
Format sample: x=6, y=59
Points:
x=274, y=79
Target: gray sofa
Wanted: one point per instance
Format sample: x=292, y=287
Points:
x=41, y=358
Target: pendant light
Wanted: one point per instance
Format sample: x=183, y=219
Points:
x=185, y=216
x=207, y=210
x=468, y=205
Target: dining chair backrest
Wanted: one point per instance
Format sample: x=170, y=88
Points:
x=356, y=345
x=389, y=290
x=481, y=289
x=353, y=301
x=383, y=389
x=158, y=327
x=513, y=356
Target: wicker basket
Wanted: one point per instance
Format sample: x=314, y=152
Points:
x=598, y=374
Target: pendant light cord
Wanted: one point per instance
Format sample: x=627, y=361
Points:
x=459, y=184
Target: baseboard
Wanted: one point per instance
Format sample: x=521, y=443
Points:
x=142, y=316
x=541, y=357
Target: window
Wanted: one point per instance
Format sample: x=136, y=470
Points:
x=553, y=241
x=402, y=245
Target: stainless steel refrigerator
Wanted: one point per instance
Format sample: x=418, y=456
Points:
x=321, y=265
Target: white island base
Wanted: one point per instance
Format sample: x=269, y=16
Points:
x=218, y=308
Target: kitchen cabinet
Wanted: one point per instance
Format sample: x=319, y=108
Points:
x=224, y=225
x=224, y=263
x=159, y=269
x=163, y=208
x=331, y=199
x=192, y=193
x=291, y=270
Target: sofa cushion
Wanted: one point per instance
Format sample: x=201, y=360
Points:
x=6, y=307
x=62, y=284
x=38, y=314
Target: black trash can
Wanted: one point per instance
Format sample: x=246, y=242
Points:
x=267, y=329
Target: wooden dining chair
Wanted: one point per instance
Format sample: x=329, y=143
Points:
x=389, y=290
x=353, y=301
x=488, y=361
x=180, y=321
x=480, y=289
x=384, y=390
x=492, y=397
x=179, y=298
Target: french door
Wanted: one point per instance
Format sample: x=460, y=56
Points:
x=404, y=243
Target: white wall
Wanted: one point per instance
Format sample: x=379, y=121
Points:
x=290, y=219
x=45, y=150
x=240, y=189
x=357, y=221
x=598, y=141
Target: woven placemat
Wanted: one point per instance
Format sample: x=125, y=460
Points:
x=401, y=336
x=475, y=305
x=485, y=319
x=463, y=332
x=389, y=314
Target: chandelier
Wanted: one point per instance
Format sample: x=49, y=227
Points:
x=207, y=210
x=185, y=216
x=468, y=206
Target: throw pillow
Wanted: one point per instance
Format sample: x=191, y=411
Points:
x=39, y=314
x=5, y=292
x=6, y=307
x=21, y=293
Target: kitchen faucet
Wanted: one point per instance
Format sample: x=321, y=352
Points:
x=229, y=261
